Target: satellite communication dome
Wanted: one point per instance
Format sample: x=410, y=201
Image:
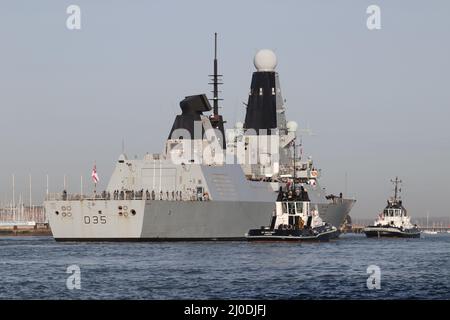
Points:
x=292, y=126
x=265, y=60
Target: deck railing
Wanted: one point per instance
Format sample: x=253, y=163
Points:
x=127, y=195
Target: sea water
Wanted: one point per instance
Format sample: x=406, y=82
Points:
x=40, y=268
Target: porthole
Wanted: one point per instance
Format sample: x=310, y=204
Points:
x=69, y=208
x=63, y=208
x=57, y=212
x=125, y=214
x=120, y=213
x=69, y=214
x=63, y=214
x=99, y=211
x=133, y=212
x=120, y=207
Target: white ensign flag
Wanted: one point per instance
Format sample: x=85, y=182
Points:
x=94, y=175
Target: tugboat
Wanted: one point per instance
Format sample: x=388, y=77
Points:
x=294, y=220
x=394, y=220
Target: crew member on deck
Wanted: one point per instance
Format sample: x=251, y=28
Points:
x=297, y=194
x=290, y=196
x=304, y=195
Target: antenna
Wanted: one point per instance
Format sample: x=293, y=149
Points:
x=215, y=80
x=396, y=182
x=295, y=160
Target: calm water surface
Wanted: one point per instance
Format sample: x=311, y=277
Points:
x=35, y=268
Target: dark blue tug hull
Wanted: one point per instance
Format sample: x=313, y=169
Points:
x=391, y=232
x=321, y=234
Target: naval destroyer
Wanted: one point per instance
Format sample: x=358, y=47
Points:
x=208, y=183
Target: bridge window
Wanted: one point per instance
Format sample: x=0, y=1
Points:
x=291, y=206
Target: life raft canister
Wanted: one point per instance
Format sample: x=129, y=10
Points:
x=301, y=223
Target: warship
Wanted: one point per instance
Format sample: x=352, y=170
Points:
x=208, y=183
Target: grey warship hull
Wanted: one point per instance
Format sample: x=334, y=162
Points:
x=170, y=220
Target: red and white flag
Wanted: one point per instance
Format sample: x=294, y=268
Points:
x=94, y=175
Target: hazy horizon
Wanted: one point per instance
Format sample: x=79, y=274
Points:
x=377, y=101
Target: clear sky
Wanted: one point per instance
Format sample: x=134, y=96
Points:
x=378, y=101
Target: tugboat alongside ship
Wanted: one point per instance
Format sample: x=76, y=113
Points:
x=189, y=192
x=394, y=220
x=294, y=220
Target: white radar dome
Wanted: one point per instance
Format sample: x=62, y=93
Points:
x=265, y=60
x=292, y=126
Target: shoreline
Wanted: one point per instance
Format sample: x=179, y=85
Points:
x=14, y=231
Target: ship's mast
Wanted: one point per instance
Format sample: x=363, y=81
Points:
x=216, y=80
x=295, y=160
x=396, y=182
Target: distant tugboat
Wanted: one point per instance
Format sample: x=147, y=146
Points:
x=393, y=221
x=294, y=220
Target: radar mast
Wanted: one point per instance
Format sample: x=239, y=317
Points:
x=216, y=80
x=397, y=190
